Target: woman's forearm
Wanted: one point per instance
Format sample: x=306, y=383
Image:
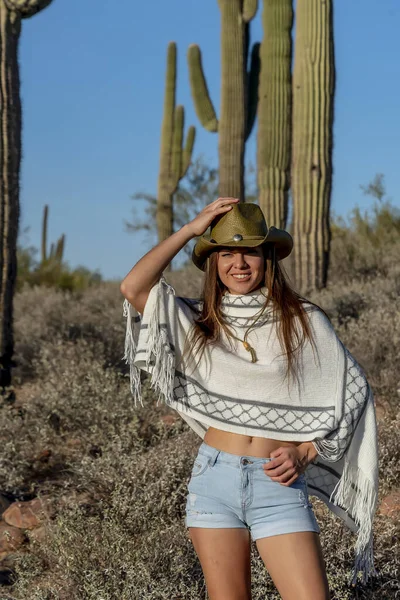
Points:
x=148, y=270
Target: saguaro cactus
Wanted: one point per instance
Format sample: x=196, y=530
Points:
x=174, y=159
x=274, y=111
x=56, y=251
x=11, y=13
x=311, y=177
x=239, y=90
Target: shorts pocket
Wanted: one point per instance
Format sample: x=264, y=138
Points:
x=201, y=463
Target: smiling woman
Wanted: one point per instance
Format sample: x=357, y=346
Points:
x=241, y=269
x=260, y=375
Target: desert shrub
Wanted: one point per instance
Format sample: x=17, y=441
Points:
x=76, y=398
x=366, y=316
x=366, y=243
x=52, y=315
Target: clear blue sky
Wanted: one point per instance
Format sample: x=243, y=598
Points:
x=92, y=89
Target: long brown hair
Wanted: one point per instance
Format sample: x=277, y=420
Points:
x=287, y=304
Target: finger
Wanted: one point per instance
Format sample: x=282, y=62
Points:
x=224, y=208
x=281, y=472
x=227, y=199
x=276, y=471
x=224, y=200
x=286, y=479
x=275, y=463
x=294, y=478
x=289, y=481
x=216, y=205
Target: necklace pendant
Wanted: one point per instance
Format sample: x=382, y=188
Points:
x=251, y=350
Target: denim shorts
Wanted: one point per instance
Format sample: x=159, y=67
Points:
x=228, y=490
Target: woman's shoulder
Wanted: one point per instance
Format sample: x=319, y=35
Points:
x=316, y=313
x=310, y=307
x=318, y=318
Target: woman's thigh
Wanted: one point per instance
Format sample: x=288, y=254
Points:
x=224, y=555
x=296, y=565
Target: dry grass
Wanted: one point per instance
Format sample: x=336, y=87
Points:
x=128, y=540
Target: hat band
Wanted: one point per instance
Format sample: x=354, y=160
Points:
x=244, y=237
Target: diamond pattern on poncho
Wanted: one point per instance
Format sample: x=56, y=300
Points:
x=356, y=389
x=246, y=414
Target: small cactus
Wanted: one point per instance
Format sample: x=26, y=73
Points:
x=174, y=158
x=311, y=177
x=239, y=91
x=56, y=252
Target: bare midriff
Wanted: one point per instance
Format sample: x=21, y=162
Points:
x=243, y=445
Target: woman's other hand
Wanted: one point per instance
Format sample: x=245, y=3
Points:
x=288, y=463
x=203, y=220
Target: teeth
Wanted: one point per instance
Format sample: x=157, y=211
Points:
x=241, y=276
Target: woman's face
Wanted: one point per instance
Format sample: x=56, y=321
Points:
x=241, y=270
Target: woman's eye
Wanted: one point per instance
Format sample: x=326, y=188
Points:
x=227, y=254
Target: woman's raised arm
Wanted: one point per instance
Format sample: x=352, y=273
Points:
x=136, y=286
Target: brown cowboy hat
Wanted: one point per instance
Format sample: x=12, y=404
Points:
x=242, y=226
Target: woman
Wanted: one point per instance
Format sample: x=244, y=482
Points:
x=258, y=372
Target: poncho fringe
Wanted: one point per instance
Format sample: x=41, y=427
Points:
x=160, y=358
x=153, y=344
x=361, y=505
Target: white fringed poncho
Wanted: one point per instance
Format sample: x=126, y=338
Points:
x=331, y=404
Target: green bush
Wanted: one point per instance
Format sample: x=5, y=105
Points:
x=52, y=273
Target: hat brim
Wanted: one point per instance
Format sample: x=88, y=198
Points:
x=282, y=240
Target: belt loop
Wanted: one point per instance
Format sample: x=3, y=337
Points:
x=214, y=456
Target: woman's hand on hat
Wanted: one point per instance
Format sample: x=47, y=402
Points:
x=203, y=220
x=288, y=463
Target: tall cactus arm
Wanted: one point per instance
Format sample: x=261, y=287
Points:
x=252, y=88
x=188, y=149
x=44, y=233
x=198, y=85
x=274, y=111
x=177, y=139
x=167, y=128
x=232, y=121
x=249, y=10
x=174, y=159
x=26, y=8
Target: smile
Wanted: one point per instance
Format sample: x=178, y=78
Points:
x=242, y=276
